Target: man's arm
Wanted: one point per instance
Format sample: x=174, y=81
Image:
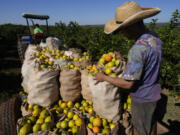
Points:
x=119, y=82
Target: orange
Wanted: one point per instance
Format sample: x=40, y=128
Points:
x=108, y=58
x=63, y=105
x=74, y=129
x=45, y=126
x=70, y=115
x=112, y=125
x=108, y=71
x=36, y=128
x=69, y=104
x=113, y=75
x=75, y=117
x=71, y=123
x=64, y=124
x=77, y=105
x=25, y=129
x=36, y=112
x=105, y=130
x=111, y=53
x=94, y=67
x=102, y=60
x=78, y=122
x=90, y=125
x=96, y=129
x=97, y=122
x=91, y=119
x=90, y=110
x=110, y=64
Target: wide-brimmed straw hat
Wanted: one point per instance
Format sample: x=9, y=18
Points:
x=127, y=14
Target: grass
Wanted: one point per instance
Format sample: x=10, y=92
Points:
x=13, y=59
x=11, y=71
x=173, y=108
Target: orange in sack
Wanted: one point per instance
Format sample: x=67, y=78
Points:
x=108, y=57
x=96, y=129
x=97, y=122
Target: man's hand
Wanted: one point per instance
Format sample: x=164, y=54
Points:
x=99, y=77
x=119, y=82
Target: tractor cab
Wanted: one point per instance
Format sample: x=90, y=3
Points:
x=30, y=37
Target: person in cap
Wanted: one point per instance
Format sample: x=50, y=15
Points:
x=38, y=35
x=141, y=75
x=37, y=29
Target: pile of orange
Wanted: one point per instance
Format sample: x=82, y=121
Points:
x=100, y=125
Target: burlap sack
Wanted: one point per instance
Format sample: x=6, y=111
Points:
x=59, y=63
x=119, y=70
x=86, y=91
x=82, y=64
x=53, y=43
x=114, y=131
x=45, y=132
x=106, y=99
x=70, y=81
x=28, y=65
x=126, y=123
x=24, y=110
x=29, y=59
x=43, y=87
x=27, y=75
x=82, y=128
x=76, y=53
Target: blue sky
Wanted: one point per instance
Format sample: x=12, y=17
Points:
x=82, y=11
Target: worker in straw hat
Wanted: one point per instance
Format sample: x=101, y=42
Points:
x=141, y=75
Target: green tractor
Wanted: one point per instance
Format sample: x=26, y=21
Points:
x=29, y=37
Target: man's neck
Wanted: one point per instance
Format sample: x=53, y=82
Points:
x=141, y=32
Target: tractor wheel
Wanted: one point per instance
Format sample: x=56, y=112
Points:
x=9, y=114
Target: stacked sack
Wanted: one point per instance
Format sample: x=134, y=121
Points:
x=71, y=78
x=106, y=97
x=54, y=74
x=70, y=81
x=59, y=118
x=39, y=77
x=28, y=65
x=67, y=118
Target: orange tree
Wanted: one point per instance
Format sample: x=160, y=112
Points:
x=170, y=36
x=93, y=40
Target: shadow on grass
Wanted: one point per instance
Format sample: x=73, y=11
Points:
x=177, y=104
x=10, y=83
x=10, y=77
x=173, y=125
x=6, y=64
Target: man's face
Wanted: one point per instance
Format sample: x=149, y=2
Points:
x=131, y=31
x=127, y=33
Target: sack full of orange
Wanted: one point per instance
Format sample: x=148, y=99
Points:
x=106, y=64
